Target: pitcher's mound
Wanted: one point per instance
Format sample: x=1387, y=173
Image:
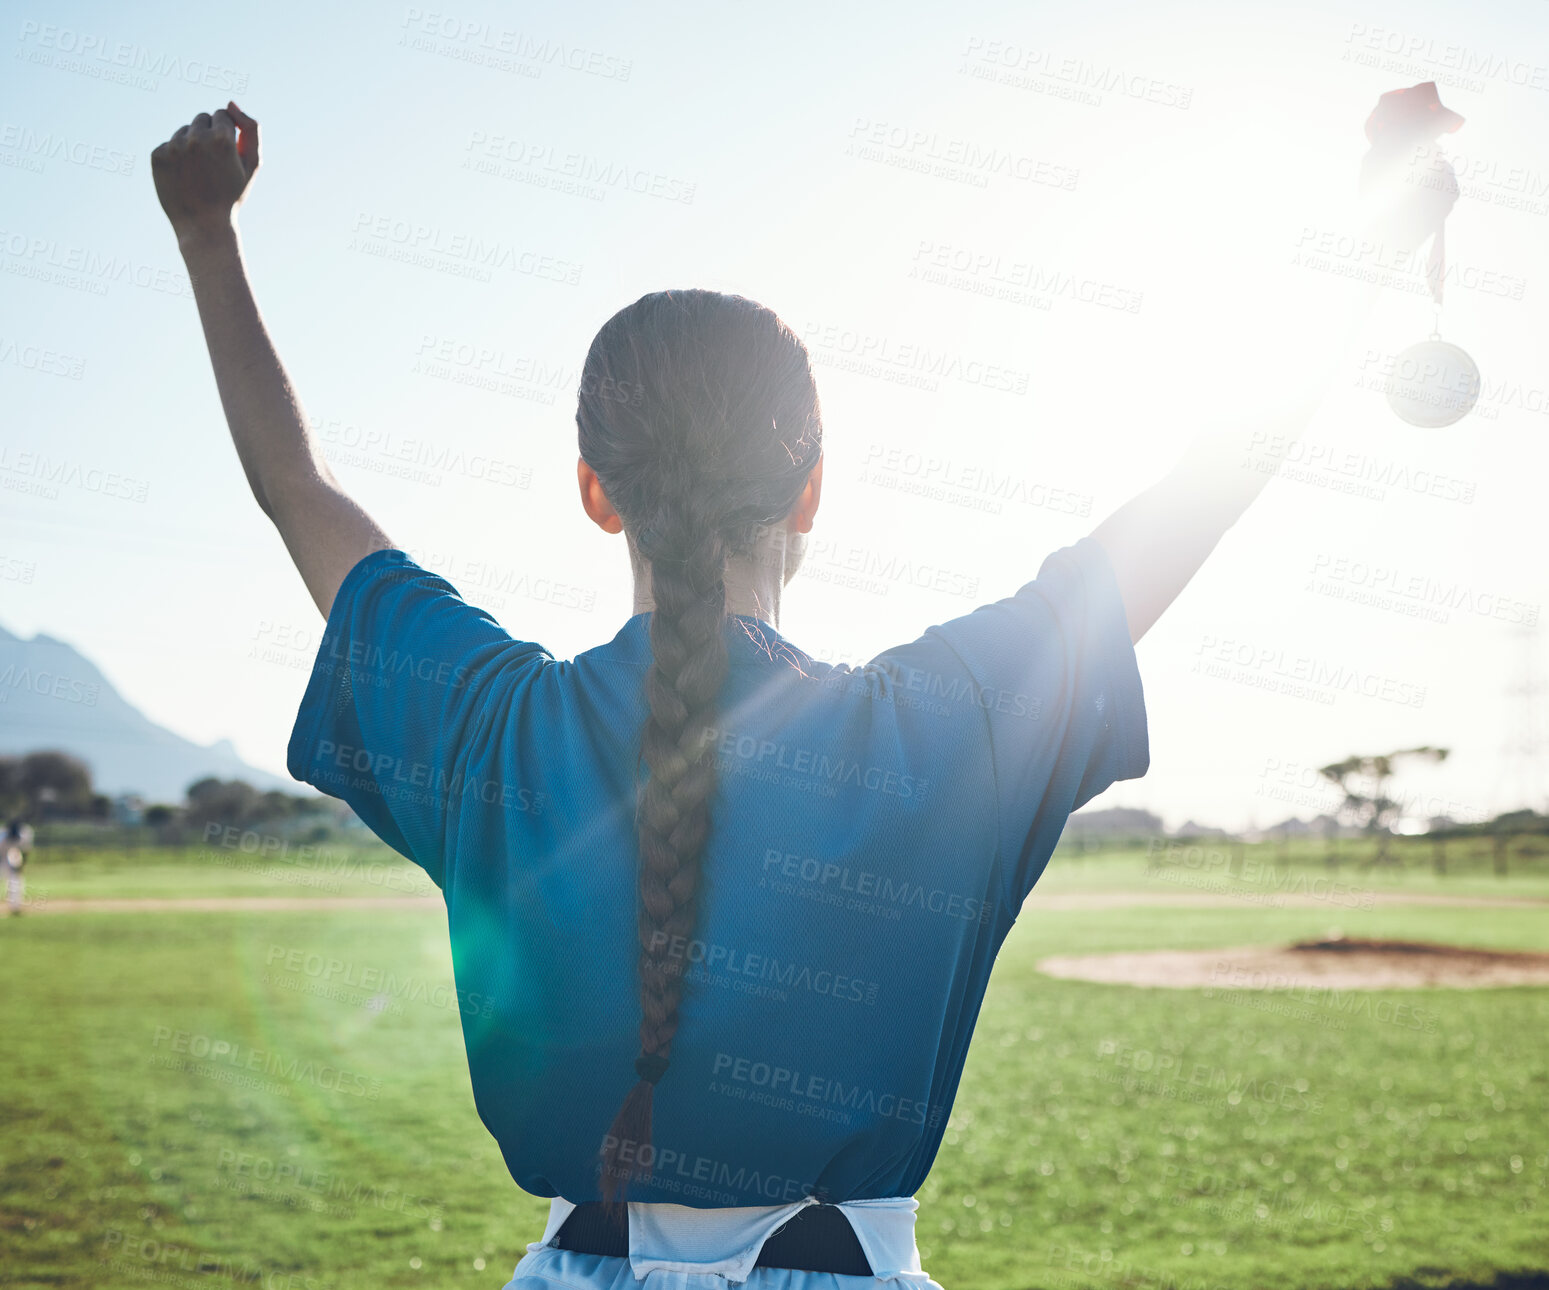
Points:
x=1340, y=964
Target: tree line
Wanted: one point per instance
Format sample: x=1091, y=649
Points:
x=54, y=785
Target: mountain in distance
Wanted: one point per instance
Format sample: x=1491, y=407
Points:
x=52, y=696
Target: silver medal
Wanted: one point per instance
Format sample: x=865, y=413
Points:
x=1432, y=384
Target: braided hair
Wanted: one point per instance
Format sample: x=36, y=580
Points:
x=699, y=414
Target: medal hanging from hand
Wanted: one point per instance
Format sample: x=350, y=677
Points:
x=1433, y=383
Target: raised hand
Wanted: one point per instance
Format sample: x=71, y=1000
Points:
x=202, y=174
x=203, y=171
x=1407, y=182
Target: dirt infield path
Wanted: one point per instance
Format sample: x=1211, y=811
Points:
x=1360, y=898
x=1354, y=898
x=1310, y=966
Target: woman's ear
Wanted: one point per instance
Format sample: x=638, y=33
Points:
x=807, y=504
x=594, y=501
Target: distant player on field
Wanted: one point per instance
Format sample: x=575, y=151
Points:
x=14, y=847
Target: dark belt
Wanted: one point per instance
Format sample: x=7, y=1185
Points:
x=817, y=1238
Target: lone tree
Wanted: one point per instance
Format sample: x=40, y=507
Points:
x=1374, y=812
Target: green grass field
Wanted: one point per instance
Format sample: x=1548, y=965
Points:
x=1103, y=1136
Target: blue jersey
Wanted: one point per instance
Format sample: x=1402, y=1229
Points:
x=873, y=834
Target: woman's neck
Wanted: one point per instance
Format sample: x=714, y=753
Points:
x=753, y=582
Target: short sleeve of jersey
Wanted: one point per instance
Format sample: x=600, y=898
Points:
x=1053, y=670
x=405, y=673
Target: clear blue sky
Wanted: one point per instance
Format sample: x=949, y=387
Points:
x=1142, y=179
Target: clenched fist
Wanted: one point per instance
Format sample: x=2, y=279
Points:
x=203, y=170
x=1406, y=179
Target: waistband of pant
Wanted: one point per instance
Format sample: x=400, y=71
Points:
x=726, y=1242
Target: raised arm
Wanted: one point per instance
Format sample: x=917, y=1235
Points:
x=1158, y=540
x=202, y=174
